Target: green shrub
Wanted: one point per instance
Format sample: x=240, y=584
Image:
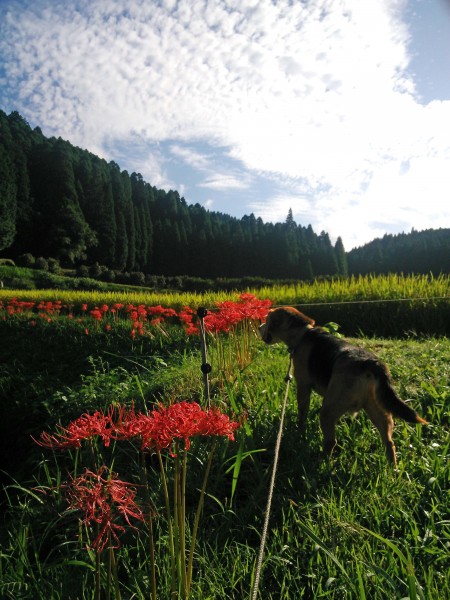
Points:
x=41, y=263
x=96, y=270
x=83, y=271
x=137, y=278
x=107, y=275
x=26, y=260
x=54, y=266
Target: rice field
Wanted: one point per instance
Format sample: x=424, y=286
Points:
x=353, y=289
x=386, y=306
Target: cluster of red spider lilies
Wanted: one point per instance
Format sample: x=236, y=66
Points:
x=142, y=318
x=100, y=495
x=107, y=505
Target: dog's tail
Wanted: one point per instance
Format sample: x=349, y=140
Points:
x=390, y=400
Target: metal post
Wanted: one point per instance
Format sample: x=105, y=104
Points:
x=206, y=367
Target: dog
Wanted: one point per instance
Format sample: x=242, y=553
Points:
x=348, y=378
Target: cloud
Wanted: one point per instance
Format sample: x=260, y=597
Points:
x=191, y=157
x=314, y=94
x=155, y=173
x=136, y=154
x=209, y=204
x=231, y=72
x=216, y=171
x=224, y=182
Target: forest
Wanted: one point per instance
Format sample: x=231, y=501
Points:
x=62, y=203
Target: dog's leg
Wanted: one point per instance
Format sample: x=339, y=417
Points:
x=384, y=423
x=303, y=402
x=330, y=413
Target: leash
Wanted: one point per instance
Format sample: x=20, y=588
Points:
x=287, y=379
x=206, y=369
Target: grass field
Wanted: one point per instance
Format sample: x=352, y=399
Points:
x=350, y=527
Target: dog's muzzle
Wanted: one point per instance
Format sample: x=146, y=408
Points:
x=265, y=334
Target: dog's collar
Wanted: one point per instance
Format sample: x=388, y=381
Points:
x=305, y=330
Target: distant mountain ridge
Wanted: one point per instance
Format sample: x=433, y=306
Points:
x=61, y=202
x=426, y=251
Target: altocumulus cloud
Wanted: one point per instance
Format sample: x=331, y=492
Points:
x=313, y=95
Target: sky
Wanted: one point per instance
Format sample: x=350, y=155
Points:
x=337, y=109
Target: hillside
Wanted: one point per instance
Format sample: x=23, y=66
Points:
x=65, y=204
x=416, y=252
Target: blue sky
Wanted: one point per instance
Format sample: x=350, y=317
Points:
x=338, y=109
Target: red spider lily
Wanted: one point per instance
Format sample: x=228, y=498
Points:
x=231, y=313
x=156, y=310
x=17, y=307
x=127, y=423
x=186, y=316
x=157, y=321
x=227, y=315
x=180, y=421
x=162, y=311
x=159, y=429
x=142, y=311
x=85, y=427
x=254, y=308
x=96, y=314
x=102, y=500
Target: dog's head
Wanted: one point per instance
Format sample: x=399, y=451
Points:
x=283, y=325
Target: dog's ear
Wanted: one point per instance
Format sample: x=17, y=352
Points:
x=290, y=317
x=298, y=319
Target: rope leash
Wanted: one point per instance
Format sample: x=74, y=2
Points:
x=206, y=369
x=287, y=379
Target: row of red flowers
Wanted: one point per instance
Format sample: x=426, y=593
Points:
x=222, y=318
x=157, y=430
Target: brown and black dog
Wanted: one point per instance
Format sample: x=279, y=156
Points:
x=349, y=378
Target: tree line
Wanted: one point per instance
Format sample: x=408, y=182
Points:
x=422, y=252
x=64, y=203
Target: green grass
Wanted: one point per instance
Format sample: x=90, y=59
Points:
x=346, y=528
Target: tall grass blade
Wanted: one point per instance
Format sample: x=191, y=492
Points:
x=415, y=590
x=361, y=588
x=236, y=461
x=310, y=533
